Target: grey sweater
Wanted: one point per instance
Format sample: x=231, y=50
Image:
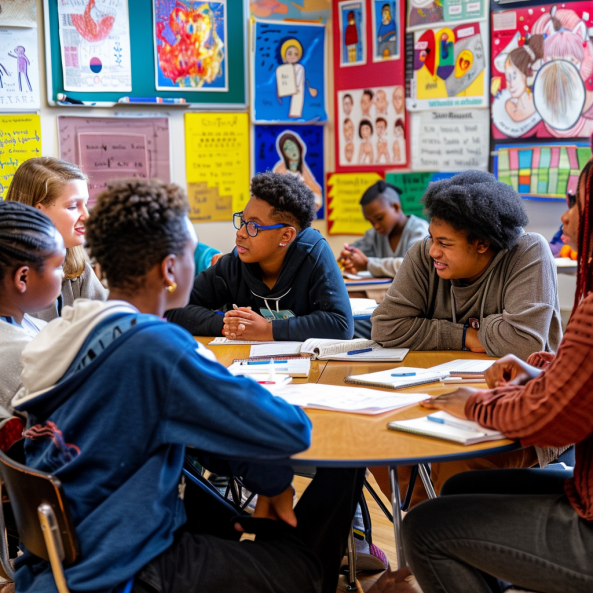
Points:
x=86, y=286
x=378, y=249
x=516, y=301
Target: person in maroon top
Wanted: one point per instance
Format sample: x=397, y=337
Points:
x=529, y=527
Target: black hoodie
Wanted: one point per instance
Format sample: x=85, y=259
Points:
x=310, y=285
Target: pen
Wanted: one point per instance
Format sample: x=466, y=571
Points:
x=220, y=313
x=359, y=351
x=168, y=100
x=451, y=423
x=403, y=374
x=62, y=98
x=267, y=382
x=268, y=362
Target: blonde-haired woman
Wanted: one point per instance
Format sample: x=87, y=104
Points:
x=59, y=189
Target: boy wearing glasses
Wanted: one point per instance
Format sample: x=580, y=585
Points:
x=281, y=282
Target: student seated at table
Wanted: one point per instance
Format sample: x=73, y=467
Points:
x=281, y=282
x=113, y=395
x=60, y=190
x=479, y=282
x=533, y=528
x=383, y=247
x=31, y=256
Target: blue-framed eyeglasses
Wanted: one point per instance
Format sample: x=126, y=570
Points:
x=252, y=227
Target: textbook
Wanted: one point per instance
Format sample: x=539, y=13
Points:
x=295, y=367
x=397, y=378
x=465, y=369
x=442, y=425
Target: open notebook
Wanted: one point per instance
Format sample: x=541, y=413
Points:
x=397, y=378
x=464, y=368
x=295, y=367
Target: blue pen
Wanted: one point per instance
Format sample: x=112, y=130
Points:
x=403, y=374
x=268, y=362
x=359, y=351
x=451, y=423
x=220, y=313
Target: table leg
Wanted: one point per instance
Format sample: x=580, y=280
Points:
x=426, y=481
x=397, y=517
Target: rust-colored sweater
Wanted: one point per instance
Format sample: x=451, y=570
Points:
x=554, y=409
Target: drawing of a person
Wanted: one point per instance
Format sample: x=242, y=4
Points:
x=291, y=52
x=382, y=149
x=292, y=150
x=349, y=151
x=5, y=72
x=347, y=104
x=348, y=129
x=366, y=153
x=398, y=100
x=398, y=143
x=386, y=34
x=366, y=102
x=351, y=37
x=22, y=61
x=381, y=102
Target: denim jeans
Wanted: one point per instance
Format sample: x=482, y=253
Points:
x=514, y=525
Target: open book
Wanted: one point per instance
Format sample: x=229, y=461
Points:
x=397, y=378
x=442, y=425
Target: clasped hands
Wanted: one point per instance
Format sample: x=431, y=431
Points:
x=242, y=323
x=353, y=260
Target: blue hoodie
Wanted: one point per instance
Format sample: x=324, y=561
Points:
x=114, y=428
x=310, y=285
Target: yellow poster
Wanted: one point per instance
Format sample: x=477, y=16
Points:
x=217, y=164
x=20, y=139
x=344, y=214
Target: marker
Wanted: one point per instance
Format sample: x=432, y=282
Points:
x=403, y=374
x=359, y=351
x=268, y=362
x=62, y=98
x=267, y=382
x=167, y=100
x=452, y=423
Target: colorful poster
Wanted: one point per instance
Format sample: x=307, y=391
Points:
x=95, y=45
x=544, y=171
x=299, y=10
x=542, y=72
x=107, y=148
x=19, y=70
x=20, y=140
x=371, y=126
x=217, y=164
x=190, y=42
x=344, y=190
x=352, y=33
x=18, y=13
x=386, y=30
x=288, y=70
x=447, y=67
x=294, y=151
x=413, y=186
x=450, y=140
x=432, y=13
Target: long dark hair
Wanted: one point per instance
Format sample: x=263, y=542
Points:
x=289, y=136
x=584, y=243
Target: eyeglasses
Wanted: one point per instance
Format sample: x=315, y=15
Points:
x=571, y=199
x=252, y=227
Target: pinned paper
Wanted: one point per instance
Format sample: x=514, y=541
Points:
x=344, y=214
x=20, y=140
x=217, y=164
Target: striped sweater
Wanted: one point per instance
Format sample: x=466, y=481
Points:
x=555, y=409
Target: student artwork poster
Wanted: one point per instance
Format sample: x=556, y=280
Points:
x=296, y=151
x=432, y=13
x=371, y=127
x=288, y=72
x=19, y=70
x=352, y=33
x=95, y=45
x=190, y=41
x=542, y=72
x=448, y=67
x=386, y=30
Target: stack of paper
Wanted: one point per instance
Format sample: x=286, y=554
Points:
x=295, y=367
x=397, y=378
x=464, y=370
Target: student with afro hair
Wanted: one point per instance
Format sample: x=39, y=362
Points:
x=281, y=282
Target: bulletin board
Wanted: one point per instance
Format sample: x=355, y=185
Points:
x=143, y=61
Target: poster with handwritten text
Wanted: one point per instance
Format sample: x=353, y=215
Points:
x=108, y=148
x=20, y=139
x=450, y=140
x=217, y=164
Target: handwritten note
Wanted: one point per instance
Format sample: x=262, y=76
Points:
x=217, y=164
x=344, y=190
x=450, y=140
x=20, y=139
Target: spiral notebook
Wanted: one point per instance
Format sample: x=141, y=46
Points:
x=397, y=378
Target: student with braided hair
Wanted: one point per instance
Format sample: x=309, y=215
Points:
x=59, y=189
x=31, y=256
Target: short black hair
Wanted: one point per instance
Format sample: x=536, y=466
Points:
x=381, y=190
x=135, y=224
x=27, y=237
x=477, y=203
x=368, y=92
x=289, y=197
x=364, y=122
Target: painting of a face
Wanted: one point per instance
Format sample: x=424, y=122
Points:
x=398, y=99
x=381, y=101
x=291, y=150
x=399, y=131
x=293, y=55
x=365, y=103
x=347, y=104
x=348, y=130
x=381, y=127
x=349, y=151
x=516, y=81
x=365, y=132
x=386, y=15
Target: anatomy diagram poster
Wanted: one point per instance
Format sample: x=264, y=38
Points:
x=542, y=72
x=95, y=45
x=190, y=45
x=447, y=67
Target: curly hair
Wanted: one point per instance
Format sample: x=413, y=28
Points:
x=477, y=203
x=292, y=201
x=135, y=224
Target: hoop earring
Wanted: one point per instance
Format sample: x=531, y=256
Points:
x=171, y=287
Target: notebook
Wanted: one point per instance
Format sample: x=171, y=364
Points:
x=362, y=307
x=464, y=432
x=465, y=369
x=395, y=378
x=295, y=367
